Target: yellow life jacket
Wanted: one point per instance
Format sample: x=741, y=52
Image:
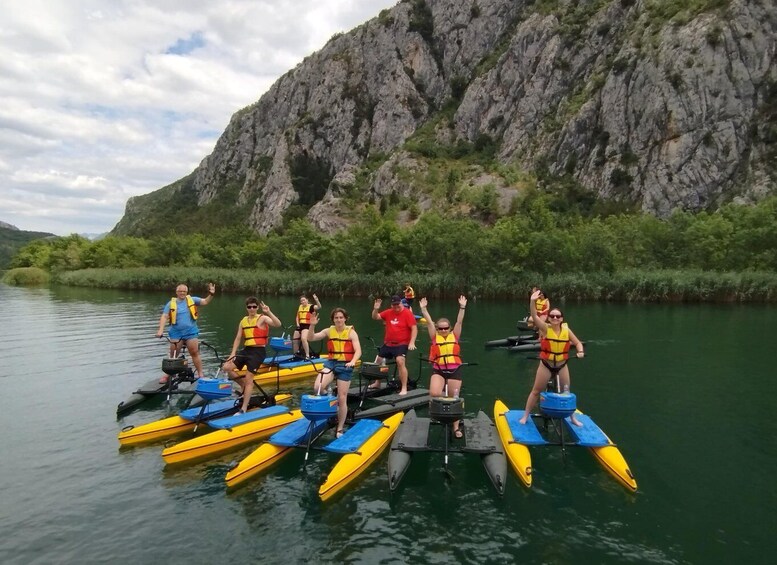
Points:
x=340, y=344
x=542, y=305
x=445, y=352
x=254, y=335
x=189, y=303
x=555, y=347
x=303, y=314
x=409, y=292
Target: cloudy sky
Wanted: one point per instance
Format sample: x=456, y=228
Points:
x=101, y=100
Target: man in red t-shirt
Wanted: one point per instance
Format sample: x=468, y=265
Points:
x=401, y=331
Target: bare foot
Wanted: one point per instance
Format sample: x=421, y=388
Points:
x=374, y=385
x=403, y=392
x=576, y=422
x=523, y=420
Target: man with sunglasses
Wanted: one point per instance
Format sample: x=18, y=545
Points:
x=555, y=340
x=445, y=355
x=182, y=313
x=400, y=335
x=254, y=331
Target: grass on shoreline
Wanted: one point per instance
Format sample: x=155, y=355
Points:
x=624, y=286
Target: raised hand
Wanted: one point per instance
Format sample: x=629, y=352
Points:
x=462, y=301
x=377, y=304
x=423, y=302
x=265, y=308
x=535, y=295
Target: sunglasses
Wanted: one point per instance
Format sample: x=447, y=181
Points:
x=445, y=329
x=252, y=306
x=555, y=316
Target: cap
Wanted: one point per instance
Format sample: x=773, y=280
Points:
x=396, y=299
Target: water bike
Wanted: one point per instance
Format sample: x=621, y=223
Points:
x=179, y=380
x=556, y=429
x=417, y=434
x=385, y=396
x=219, y=412
x=360, y=444
x=253, y=426
x=513, y=340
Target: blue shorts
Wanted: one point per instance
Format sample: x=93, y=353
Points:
x=342, y=373
x=185, y=333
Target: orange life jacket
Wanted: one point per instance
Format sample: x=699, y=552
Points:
x=303, y=314
x=254, y=335
x=340, y=344
x=555, y=347
x=445, y=352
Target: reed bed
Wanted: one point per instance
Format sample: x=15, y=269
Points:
x=623, y=286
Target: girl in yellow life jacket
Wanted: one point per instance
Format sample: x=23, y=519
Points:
x=445, y=354
x=555, y=340
x=344, y=353
x=302, y=322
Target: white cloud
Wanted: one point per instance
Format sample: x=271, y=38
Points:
x=100, y=101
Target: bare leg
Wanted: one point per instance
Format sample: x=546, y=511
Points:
x=540, y=381
x=402, y=367
x=248, y=388
x=454, y=389
x=194, y=349
x=379, y=361
x=322, y=381
x=303, y=337
x=295, y=344
x=342, y=404
x=563, y=377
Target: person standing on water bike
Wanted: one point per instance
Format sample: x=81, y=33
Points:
x=302, y=322
x=344, y=352
x=401, y=333
x=254, y=331
x=555, y=339
x=182, y=314
x=444, y=355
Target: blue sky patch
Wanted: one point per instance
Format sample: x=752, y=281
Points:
x=185, y=46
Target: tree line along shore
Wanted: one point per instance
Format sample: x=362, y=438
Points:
x=571, y=249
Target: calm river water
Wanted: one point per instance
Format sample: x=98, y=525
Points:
x=688, y=393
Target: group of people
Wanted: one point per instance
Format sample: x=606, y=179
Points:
x=344, y=349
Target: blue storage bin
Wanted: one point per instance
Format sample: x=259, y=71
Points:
x=315, y=407
x=555, y=405
x=213, y=389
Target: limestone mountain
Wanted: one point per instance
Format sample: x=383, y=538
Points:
x=653, y=104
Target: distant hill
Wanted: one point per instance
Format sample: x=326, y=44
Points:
x=12, y=239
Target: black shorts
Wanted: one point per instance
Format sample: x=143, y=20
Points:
x=250, y=358
x=303, y=327
x=392, y=351
x=449, y=373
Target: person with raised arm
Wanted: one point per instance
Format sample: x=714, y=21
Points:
x=445, y=355
x=400, y=335
x=182, y=313
x=302, y=325
x=344, y=351
x=555, y=340
x=254, y=331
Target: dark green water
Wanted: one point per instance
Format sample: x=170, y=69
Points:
x=687, y=392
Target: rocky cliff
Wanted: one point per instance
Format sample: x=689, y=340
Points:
x=659, y=104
